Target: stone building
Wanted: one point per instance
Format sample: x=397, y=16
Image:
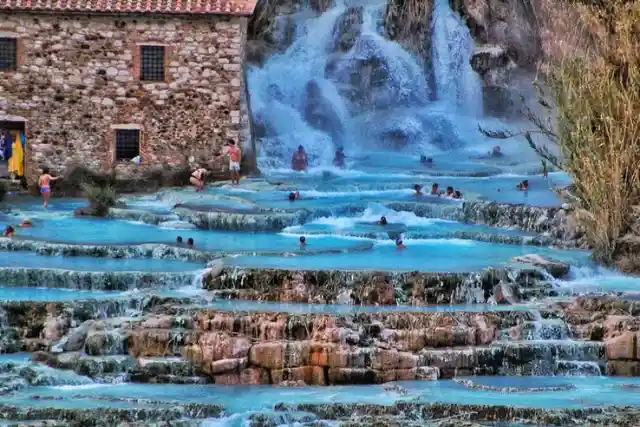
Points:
x=99, y=82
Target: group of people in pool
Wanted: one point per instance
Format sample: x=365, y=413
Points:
x=435, y=191
x=300, y=160
x=10, y=230
x=180, y=242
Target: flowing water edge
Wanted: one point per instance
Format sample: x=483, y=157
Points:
x=488, y=315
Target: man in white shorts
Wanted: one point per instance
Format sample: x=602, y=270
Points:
x=235, y=156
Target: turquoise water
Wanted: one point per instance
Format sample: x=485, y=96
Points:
x=436, y=255
x=33, y=260
x=588, y=391
x=51, y=294
x=115, y=232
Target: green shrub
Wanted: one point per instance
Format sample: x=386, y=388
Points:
x=597, y=106
x=100, y=198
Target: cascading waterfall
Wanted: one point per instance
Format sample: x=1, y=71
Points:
x=342, y=83
x=457, y=85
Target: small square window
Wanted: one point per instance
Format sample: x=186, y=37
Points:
x=8, y=54
x=152, y=63
x=127, y=144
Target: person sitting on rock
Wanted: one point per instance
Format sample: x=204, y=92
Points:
x=523, y=186
x=418, y=189
x=299, y=160
x=197, y=178
x=303, y=241
x=400, y=244
x=435, y=190
x=9, y=231
x=338, y=160
x=190, y=243
x=383, y=221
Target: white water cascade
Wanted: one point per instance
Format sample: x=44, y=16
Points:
x=365, y=93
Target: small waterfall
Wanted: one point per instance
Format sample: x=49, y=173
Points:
x=457, y=85
x=544, y=346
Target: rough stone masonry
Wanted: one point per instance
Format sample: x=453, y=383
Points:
x=77, y=80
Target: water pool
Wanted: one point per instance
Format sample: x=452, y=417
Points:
x=435, y=255
x=33, y=260
x=51, y=294
x=116, y=232
x=587, y=391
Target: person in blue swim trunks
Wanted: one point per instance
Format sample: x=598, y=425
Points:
x=45, y=186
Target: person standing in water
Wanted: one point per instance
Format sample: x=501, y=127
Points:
x=299, y=160
x=45, y=186
x=197, y=178
x=338, y=160
x=235, y=156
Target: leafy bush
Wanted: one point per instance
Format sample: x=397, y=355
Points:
x=100, y=198
x=597, y=102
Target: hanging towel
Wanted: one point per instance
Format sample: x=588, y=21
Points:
x=23, y=140
x=16, y=162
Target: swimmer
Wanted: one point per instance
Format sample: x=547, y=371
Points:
x=383, y=221
x=400, y=244
x=434, y=190
x=418, y=189
x=449, y=192
x=26, y=223
x=303, y=241
x=523, y=186
x=299, y=160
x=294, y=195
x=457, y=195
x=45, y=186
x=495, y=152
x=179, y=240
x=9, y=231
x=190, y=243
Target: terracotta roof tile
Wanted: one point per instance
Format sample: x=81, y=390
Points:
x=235, y=7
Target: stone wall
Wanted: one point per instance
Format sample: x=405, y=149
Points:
x=77, y=77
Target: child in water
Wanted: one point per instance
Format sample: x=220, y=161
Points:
x=400, y=244
x=303, y=241
x=190, y=243
x=449, y=192
x=434, y=190
x=418, y=189
x=45, y=186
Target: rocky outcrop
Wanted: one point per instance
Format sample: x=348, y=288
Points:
x=145, y=250
x=326, y=287
x=416, y=414
x=90, y=280
x=558, y=223
x=241, y=222
x=615, y=322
